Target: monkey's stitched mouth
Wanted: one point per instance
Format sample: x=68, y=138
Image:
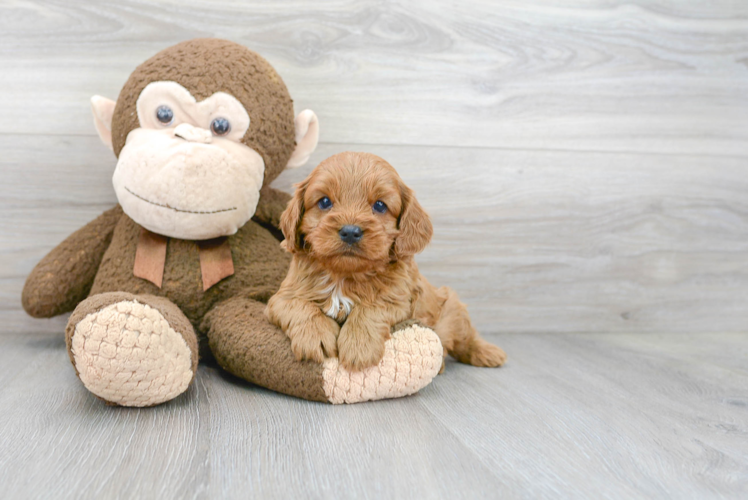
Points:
x=205, y=212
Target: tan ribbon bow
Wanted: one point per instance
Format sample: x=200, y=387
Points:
x=216, y=262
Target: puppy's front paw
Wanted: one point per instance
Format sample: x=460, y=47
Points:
x=360, y=350
x=316, y=339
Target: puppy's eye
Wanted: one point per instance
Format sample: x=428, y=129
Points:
x=324, y=203
x=164, y=114
x=220, y=126
x=379, y=207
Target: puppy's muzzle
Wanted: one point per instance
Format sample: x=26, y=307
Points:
x=351, y=234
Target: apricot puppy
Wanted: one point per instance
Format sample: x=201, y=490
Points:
x=353, y=228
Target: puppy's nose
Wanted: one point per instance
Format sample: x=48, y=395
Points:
x=351, y=234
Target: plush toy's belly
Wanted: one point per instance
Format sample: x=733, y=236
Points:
x=259, y=267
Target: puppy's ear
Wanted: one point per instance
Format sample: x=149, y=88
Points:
x=414, y=224
x=290, y=219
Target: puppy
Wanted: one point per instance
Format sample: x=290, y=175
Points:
x=353, y=228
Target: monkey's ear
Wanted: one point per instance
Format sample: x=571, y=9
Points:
x=290, y=219
x=103, y=109
x=414, y=224
x=307, y=135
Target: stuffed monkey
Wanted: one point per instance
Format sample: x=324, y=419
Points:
x=189, y=256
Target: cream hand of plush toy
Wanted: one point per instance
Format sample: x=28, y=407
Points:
x=200, y=131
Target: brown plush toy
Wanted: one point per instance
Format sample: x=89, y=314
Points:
x=200, y=131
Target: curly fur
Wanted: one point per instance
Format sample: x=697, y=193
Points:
x=341, y=299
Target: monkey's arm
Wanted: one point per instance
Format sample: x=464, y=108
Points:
x=270, y=207
x=63, y=278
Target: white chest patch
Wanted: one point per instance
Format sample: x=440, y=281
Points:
x=338, y=301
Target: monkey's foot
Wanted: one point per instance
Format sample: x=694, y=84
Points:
x=412, y=358
x=128, y=354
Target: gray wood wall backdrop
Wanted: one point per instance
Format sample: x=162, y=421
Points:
x=585, y=164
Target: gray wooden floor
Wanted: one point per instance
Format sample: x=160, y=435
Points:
x=571, y=415
x=586, y=167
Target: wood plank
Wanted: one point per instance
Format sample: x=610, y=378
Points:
x=543, y=241
x=570, y=415
x=598, y=76
x=606, y=416
x=285, y=448
x=59, y=440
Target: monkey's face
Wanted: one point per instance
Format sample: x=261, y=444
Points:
x=185, y=172
x=191, y=165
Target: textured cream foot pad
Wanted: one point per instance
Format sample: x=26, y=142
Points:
x=412, y=358
x=127, y=353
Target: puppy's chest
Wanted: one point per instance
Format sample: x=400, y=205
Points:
x=337, y=300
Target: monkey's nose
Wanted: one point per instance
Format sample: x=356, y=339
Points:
x=351, y=234
x=193, y=134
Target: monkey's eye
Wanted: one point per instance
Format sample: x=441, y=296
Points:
x=164, y=114
x=220, y=126
x=324, y=203
x=379, y=207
